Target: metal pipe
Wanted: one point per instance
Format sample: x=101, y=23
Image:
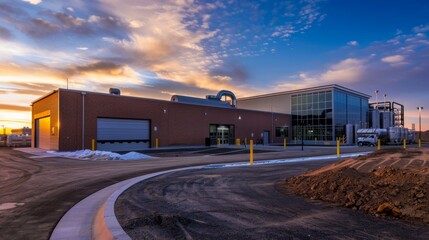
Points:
x=302, y=136
x=385, y=95
x=83, y=120
x=420, y=122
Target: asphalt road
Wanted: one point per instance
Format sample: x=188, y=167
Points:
x=41, y=190
x=244, y=203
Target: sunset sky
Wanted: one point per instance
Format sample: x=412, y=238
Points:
x=157, y=48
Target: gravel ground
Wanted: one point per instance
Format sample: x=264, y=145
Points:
x=392, y=183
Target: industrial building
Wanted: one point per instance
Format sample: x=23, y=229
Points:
x=70, y=120
x=67, y=120
x=319, y=114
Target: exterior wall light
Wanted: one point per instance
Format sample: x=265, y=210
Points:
x=239, y=117
x=165, y=111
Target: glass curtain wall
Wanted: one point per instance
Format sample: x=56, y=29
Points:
x=323, y=115
x=312, y=116
x=348, y=108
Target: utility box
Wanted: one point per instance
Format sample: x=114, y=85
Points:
x=207, y=142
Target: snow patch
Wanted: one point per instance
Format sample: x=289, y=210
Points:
x=288, y=160
x=100, y=155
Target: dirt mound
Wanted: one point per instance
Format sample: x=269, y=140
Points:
x=385, y=192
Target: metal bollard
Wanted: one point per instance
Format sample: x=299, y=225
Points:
x=338, y=148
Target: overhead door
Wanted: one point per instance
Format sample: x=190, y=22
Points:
x=122, y=134
x=43, y=136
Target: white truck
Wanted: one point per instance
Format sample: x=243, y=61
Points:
x=18, y=140
x=393, y=135
x=370, y=136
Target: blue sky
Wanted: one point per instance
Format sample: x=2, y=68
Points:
x=188, y=47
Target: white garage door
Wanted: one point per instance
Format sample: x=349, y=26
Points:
x=122, y=134
x=43, y=136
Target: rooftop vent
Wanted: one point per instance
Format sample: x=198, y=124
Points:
x=115, y=91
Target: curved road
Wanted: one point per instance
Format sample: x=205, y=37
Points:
x=244, y=203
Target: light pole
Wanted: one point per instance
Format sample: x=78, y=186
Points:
x=376, y=99
x=420, y=125
x=302, y=135
x=3, y=136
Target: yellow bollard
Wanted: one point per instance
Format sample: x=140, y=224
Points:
x=251, y=152
x=338, y=148
x=420, y=143
x=405, y=144
x=237, y=142
x=378, y=144
x=284, y=143
x=295, y=140
x=93, y=144
x=218, y=142
x=315, y=140
x=156, y=143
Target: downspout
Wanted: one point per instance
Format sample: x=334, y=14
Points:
x=83, y=120
x=58, y=121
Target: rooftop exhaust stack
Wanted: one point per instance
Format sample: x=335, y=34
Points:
x=115, y=91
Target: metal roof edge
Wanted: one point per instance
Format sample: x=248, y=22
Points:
x=330, y=86
x=45, y=96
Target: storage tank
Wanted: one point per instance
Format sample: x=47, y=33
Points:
x=402, y=134
x=374, y=119
x=356, y=128
x=349, y=133
x=394, y=135
x=411, y=136
x=386, y=119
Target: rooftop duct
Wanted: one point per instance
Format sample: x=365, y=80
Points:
x=211, y=100
x=222, y=93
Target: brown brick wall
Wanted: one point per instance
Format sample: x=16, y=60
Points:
x=181, y=124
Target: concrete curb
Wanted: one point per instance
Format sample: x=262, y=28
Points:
x=94, y=217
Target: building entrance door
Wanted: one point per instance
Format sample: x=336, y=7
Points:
x=223, y=134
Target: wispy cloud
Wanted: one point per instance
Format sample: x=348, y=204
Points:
x=344, y=72
x=421, y=28
x=353, y=43
x=393, y=59
x=15, y=107
x=34, y=2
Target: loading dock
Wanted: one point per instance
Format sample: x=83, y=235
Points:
x=122, y=134
x=42, y=132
